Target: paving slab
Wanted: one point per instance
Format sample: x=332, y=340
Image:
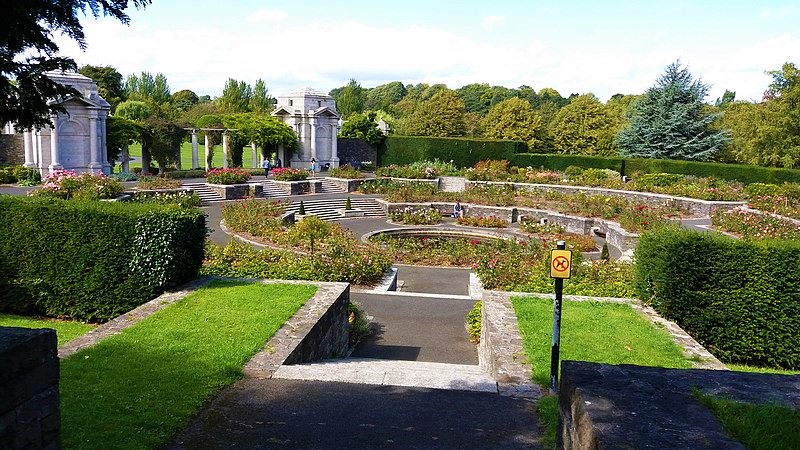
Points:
x=434, y=280
x=418, y=328
x=311, y=414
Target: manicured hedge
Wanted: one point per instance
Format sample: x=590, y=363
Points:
x=91, y=260
x=741, y=299
x=625, y=166
x=462, y=151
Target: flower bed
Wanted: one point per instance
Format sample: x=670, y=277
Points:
x=152, y=182
x=754, y=225
x=67, y=184
x=416, y=216
x=231, y=175
x=289, y=174
x=347, y=171
x=254, y=216
x=419, y=170
x=483, y=222
x=183, y=198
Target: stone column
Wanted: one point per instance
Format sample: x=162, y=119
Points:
x=282, y=155
x=301, y=135
x=253, y=156
x=26, y=137
x=126, y=164
x=335, y=145
x=55, y=163
x=94, y=165
x=38, y=157
x=224, y=150
x=208, y=152
x=313, y=143
x=104, y=144
x=195, y=161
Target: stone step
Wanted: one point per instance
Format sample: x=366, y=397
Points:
x=206, y=194
x=326, y=209
x=456, y=377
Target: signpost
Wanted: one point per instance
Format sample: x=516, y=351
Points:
x=560, y=269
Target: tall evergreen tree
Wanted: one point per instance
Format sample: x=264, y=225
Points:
x=351, y=99
x=261, y=102
x=670, y=121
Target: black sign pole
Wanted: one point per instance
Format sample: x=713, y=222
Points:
x=560, y=245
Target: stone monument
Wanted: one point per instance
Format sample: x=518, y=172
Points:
x=77, y=139
x=314, y=118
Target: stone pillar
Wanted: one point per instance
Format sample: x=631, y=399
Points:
x=208, y=152
x=93, y=147
x=26, y=137
x=224, y=150
x=36, y=136
x=335, y=145
x=195, y=161
x=301, y=135
x=253, y=156
x=313, y=143
x=126, y=164
x=55, y=163
x=104, y=144
x=282, y=155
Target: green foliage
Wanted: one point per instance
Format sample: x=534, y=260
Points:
x=161, y=140
x=364, y=127
x=416, y=216
x=346, y=171
x=109, y=83
x=66, y=330
x=147, y=87
x=737, y=298
x=463, y=152
x=182, y=198
x=382, y=97
x=419, y=170
x=236, y=97
x=289, y=174
x=151, y=182
x=25, y=176
x=194, y=173
x=262, y=101
x=358, y=323
x=254, y=216
x=473, y=323
x=185, y=99
x=350, y=100
x=133, y=110
x=562, y=162
x=670, y=121
x=231, y=175
x=604, y=256
x=93, y=260
x=66, y=185
x=302, y=209
x=754, y=226
x=512, y=119
x=583, y=127
x=347, y=204
x=440, y=116
x=483, y=222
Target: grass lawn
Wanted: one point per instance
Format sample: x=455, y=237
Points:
x=137, y=388
x=758, y=427
x=135, y=151
x=743, y=368
x=65, y=330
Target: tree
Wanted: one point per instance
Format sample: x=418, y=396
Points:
x=133, y=110
x=261, y=102
x=161, y=140
x=351, y=99
x=120, y=132
x=147, y=87
x=669, y=121
x=185, y=100
x=363, y=126
x=512, y=119
x=583, y=128
x=235, y=97
x=441, y=116
x=109, y=83
x=27, y=52
x=384, y=96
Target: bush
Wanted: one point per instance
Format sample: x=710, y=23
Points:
x=346, y=171
x=463, y=152
x=473, y=323
x=93, y=261
x=66, y=184
x=151, y=182
x=124, y=176
x=414, y=216
x=231, y=175
x=19, y=174
x=483, y=222
x=418, y=170
x=289, y=174
x=740, y=299
x=181, y=198
x=193, y=173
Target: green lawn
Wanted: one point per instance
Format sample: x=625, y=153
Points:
x=758, y=427
x=137, y=388
x=743, y=368
x=65, y=330
x=135, y=150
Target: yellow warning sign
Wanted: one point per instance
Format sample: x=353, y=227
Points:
x=560, y=264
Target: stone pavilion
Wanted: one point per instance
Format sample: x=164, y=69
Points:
x=313, y=116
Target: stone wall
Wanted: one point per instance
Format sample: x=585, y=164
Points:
x=235, y=191
x=352, y=151
x=606, y=406
x=345, y=183
x=29, y=400
x=293, y=187
x=12, y=150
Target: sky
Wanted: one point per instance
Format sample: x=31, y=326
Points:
x=600, y=47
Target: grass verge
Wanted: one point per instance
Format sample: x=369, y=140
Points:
x=137, y=388
x=758, y=427
x=547, y=409
x=744, y=368
x=135, y=151
x=65, y=330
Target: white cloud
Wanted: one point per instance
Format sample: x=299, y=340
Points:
x=493, y=21
x=267, y=15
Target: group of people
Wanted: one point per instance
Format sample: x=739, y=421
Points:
x=268, y=165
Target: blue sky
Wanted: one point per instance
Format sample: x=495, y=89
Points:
x=603, y=47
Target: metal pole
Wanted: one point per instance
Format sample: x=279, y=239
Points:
x=554, y=350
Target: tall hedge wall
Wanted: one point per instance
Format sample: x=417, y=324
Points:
x=93, y=260
x=740, y=299
x=625, y=166
x=464, y=152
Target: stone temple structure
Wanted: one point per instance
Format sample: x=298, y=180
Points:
x=314, y=118
x=76, y=140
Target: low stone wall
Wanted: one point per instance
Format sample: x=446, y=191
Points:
x=572, y=224
x=620, y=239
x=318, y=330
x=347, y=184
x=30, y=414
x=12, y=150
x=293, y=187
x=606, y=406
x=236, y=191
x=433, y=182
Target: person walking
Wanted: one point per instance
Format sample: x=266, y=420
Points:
x=266, y=166
x=278, y=162
x=313, y=167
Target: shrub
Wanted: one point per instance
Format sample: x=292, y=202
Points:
x=483, y=222
x=27, y=176
x=231, y=175
x=473, y=323
x=289, y=174
x=254, y=216
x=192, y=173
x=660, y=179
x=366, y=166
x=416, y=216
x=151, y=182
x=66, y=184
x=604, y=256
x=7, y=175
x=418, y=170
x=90, y=260
x=464, y=152
x=750, y=225
x=181, y=198
x=347, y=171
x=302, y=209
x=357, y=323
x=124, y=176
x=740, y=299
x=347, y=204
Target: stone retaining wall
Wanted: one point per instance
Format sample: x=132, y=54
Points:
x=354, y=151
x=30, y=414
x=433, y=182
x=236, y=191
x=606, y=406
x=347, y=184
x=12, y=150
x=293, y=187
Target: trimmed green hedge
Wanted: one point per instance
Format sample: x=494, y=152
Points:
x=625, y=166
x=740, y=299
x=91, y=260
x=462, y=151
